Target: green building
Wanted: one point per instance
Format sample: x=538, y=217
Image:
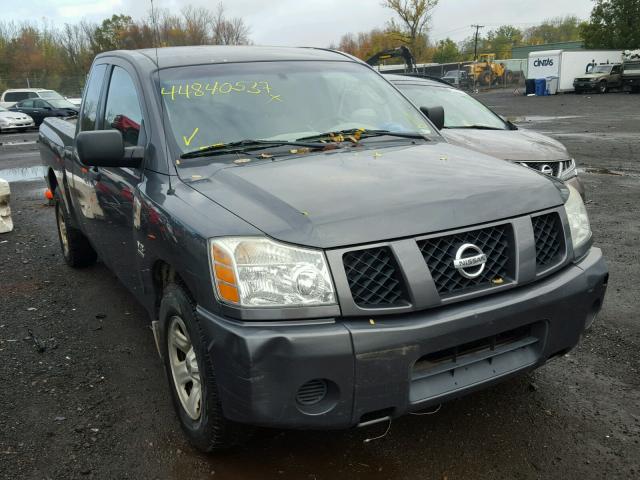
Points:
x=524, y=51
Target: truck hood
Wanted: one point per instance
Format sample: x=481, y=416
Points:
x=342, y=198
x=514, y=145
x=593, y=75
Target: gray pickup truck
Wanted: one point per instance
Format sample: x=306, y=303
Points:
x=310, y=250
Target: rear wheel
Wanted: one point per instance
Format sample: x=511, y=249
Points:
x=603, y=87
x=76, y=249
x=485, y=78
x=191, y=375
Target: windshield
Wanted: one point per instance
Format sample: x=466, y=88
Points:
x=49, y=94
x=460, y=110
x=61, y=103
x=215, y=104
x=601, y=69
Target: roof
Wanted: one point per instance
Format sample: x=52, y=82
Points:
x=29, y=90
x=524, y=50
x=204, y=54
x=417, y=80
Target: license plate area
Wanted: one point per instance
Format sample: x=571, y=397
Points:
x=459, y=367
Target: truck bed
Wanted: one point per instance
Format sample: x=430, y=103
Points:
x=56, y=134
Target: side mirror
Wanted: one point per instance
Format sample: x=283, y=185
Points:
x=105, y=148
x=435, y=114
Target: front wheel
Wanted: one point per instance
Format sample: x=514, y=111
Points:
x=602, y=87
x=191, y=375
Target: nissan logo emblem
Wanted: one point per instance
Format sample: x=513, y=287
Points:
x=546, y=169
x=470, y=261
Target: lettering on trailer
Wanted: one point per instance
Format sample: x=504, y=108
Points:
x=547, y=62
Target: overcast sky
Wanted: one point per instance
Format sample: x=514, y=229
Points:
x=311, y=23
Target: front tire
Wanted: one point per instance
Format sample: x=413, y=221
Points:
x=191, y=376
x=76, y=249
x=603, y=87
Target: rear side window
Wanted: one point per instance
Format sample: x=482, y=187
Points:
x=39, y=104
x=15, y=96
x=122, y=111
x=91, y=98
x=26, y=104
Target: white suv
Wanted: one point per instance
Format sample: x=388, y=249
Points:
x=14, y=95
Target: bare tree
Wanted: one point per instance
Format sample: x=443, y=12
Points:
x=414, y=15
x=227, y=31
x=197, y=25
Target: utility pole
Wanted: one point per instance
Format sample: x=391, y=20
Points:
x=475, y=49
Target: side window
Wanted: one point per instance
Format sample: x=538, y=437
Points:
x=15, y=96
x=122, y=111
x=39, y=103
x=26, y=104
x=91, y=98
x=616, y=69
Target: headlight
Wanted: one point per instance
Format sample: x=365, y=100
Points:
x=258, y=272
x=4, y=121
x=568, y=169
x=578, y=219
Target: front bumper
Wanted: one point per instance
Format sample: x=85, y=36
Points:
x=16, y=125
x=578, y=185
x=585, y=85
x=387, y=366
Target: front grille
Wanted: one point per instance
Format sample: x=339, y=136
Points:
x=495, y=242
x=374, y=278
x=550, y=168
x=549, y=239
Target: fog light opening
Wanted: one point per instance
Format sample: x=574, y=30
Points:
x=317, y=396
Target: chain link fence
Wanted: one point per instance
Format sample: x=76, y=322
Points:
x=473, y=76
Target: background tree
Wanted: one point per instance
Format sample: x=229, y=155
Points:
x=613, y=24
x=414, y=16
x=559, y=29
x=446, y=52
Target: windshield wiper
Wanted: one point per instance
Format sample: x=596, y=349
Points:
x=360, y=133
x=245, y=146
x=475, y=127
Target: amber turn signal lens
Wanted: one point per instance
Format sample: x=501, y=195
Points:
x=224, y=275
x=48, y=194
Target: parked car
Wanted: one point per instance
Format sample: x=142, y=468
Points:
x=40, y=109
x=14, y=95
x=311, y=251
x=75, y=100
x=457, y=78
x=14, y=121
x=471, y=124
x=600, y=78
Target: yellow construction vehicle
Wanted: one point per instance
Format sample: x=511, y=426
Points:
x=486, y=71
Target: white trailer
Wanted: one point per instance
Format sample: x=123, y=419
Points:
x=567, y=64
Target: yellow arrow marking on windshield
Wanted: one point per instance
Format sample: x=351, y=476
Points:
x=187, y=141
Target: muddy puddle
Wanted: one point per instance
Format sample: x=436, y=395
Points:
x=540, y=118
x=23, y=174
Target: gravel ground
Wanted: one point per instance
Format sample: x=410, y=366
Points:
x=84, y=396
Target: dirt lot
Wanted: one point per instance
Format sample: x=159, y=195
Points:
x=83, y=394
